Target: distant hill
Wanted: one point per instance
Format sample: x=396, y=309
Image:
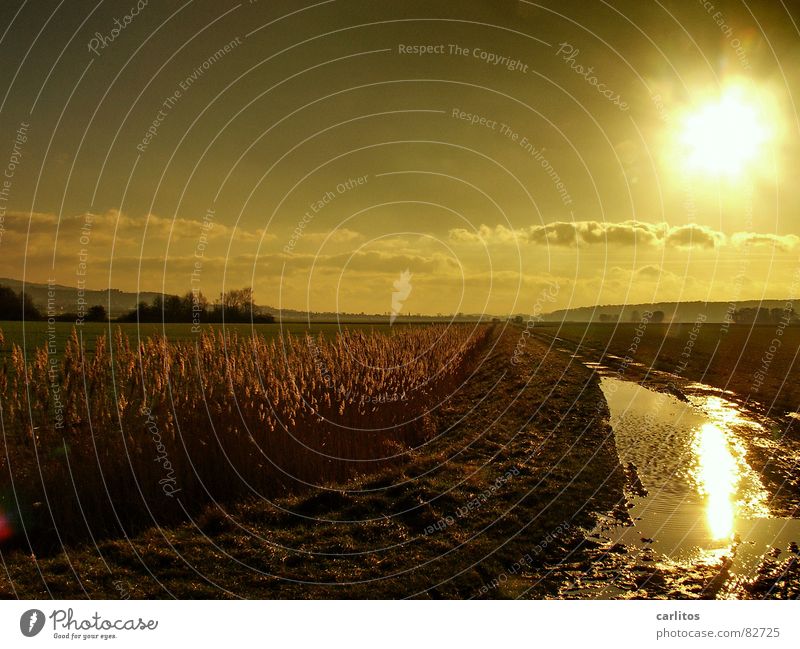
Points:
x=65, y=298
x=119, y=302
x=673, y=311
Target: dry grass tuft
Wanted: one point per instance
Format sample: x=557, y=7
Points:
x=138, y=435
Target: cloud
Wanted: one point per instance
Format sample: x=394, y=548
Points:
x=625, y=233
x=114, y=224
x=693, y=236
x=784, y=242
x=576, y=233
x=487, y=234
x=384, y=262
x=112, y=246
x=649, y=271
x=340, y=235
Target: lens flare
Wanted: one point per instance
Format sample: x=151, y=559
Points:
x=6, y=531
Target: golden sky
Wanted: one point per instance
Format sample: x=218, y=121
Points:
x=625, y=151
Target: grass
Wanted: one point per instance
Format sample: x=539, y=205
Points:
x=132, y=434
x=730, y=358
x=32, y=334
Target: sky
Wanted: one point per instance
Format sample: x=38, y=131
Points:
x=485, y=157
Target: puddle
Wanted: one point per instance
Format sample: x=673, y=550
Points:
x=703, y=500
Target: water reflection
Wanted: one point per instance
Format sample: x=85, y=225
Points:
x=703, y=498
x=723, y=412
x=731, y=487
x=716, y=475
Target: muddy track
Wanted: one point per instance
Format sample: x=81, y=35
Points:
x=773, y=452
x=623, y=571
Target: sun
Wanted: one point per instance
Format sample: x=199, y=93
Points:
x=727, y=136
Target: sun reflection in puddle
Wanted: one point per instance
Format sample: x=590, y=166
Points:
x=731, y=488
x=716, y=475
x=701, y=503
x=721, y=411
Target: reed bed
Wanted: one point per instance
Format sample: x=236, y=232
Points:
x=149, y=432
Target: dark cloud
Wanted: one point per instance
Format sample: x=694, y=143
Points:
x=693, y=236
x=649, y=271
x=624, y=233
x=782, y=242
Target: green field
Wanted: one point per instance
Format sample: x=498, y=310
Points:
x=30, y=335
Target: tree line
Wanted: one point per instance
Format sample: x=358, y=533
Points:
x=762, y=315
x=232, y=306
x=193, y=307
x=17, y=306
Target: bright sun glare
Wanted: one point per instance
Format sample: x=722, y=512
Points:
x=726, y=136
x=717, y=476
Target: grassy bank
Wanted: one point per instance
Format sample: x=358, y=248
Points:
x=742, y=358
